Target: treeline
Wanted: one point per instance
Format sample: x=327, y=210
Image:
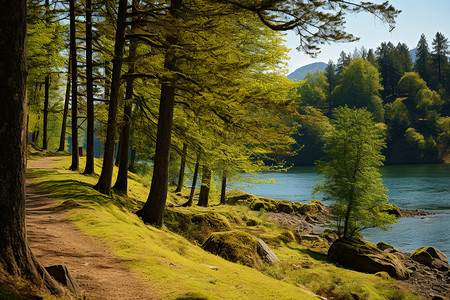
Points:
x=410, y=99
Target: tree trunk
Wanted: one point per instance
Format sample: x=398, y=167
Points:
x=223, y=193
x=104, y=183
x=194, y=183
x=182, y=166
x=153, y=210
x=16, y=259
x=203, y=198
x=122, y=177
x=62, y=139
x=89, y=168
x=45, y=137
x=73, y=52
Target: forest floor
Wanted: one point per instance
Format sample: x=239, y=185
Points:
x=55, y=240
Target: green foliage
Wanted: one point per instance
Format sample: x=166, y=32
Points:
x=359, y=88
x=353, y=156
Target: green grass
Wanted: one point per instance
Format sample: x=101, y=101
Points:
x=178, y=268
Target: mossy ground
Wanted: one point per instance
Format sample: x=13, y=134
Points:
x=173, y=261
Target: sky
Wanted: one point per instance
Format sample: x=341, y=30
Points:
x=417, y=17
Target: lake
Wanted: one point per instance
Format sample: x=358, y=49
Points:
x=425, y=187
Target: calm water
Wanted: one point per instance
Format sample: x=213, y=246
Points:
x=425, y=187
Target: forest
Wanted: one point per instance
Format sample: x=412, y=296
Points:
x=162, y=87
x=409, y=97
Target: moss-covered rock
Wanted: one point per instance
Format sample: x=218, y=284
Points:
x=431, y=257
x=237, y=197
x=286, y=236
x=195, y=226
x=310, y=209
x=284, y=207
x=236, y=246
x=364, y=257
x=392, y=210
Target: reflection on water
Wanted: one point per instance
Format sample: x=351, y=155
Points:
x=424, y=187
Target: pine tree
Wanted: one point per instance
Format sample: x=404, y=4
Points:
x=422, y=63
x=440, y=53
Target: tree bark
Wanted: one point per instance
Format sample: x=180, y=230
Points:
x=203, y=198
x=73, y=53
x=223, y=193
x=194, y=183
x=104, y=183
x=89, y=168
x=121, y=184
x=62, y=139
x=153, y=210
x=16, y=259
x=182, y=166
x=45, y=137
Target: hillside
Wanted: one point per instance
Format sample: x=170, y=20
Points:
x=171, y=260
x=300, y=73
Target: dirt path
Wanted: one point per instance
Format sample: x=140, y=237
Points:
x=54, y=240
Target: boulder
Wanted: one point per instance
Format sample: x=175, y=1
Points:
x=241, y=247
x=364, y=257
x=285, y=207
x=392, y=210
x=61, y=274
x=431, y=257
x=266, y=253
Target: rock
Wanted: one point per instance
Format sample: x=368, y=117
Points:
x=286, y=236
x=285, y=207
x=266, y=253
x=361, y=256
x=385, y=247
x=61, y=274
x=383, y=275
x=431, y=257
x=392, y=210
x=236, y=246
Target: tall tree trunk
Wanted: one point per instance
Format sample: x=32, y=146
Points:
x=223, y=193
x=203, y=198
x=73, y=52
x=121, y=184
x=153, y=210
x=62, y=139
x=47, y=88
x=89, y=168
x=182, y=166
x=194, y=183
x=104, y=183
x=16, y=259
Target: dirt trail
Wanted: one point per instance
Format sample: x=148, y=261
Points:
x=55, y=240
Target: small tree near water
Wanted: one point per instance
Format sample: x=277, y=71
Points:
x=351, y=168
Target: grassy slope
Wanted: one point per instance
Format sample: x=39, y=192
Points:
x=179, y=269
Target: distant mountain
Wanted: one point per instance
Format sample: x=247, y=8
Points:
x=413, y=53
x=300, y=73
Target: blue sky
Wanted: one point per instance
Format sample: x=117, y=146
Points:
x=417, y=17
